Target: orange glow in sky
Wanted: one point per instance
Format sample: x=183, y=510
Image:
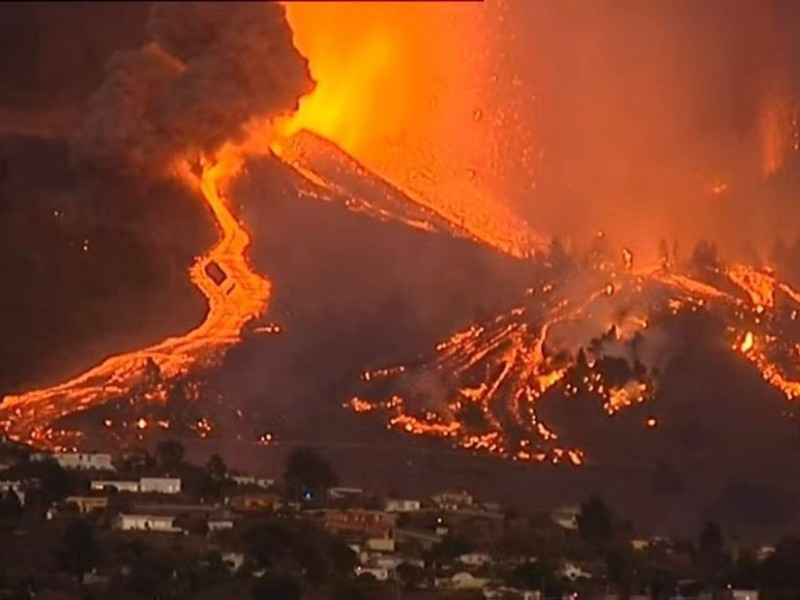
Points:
x=407, y=89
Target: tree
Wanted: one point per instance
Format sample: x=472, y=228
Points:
x=10, y=505
x=412, y=576
x=273, y=586
x=711, y=540
x=711, y=547
x=535, y=575
x=169, y=455
x=216, y=468
x=78, y=551
x=595, y=522
x=307, y=476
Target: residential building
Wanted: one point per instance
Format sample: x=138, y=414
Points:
x=461, y=581
x=159, y=485
x=255, y=501
x=233, y=560
x=219, y=524
x=744, y=595
x=380, y=544
x=253, y=481
x=107, y=485
x=77, y=461
x=475, y=559
x=366, y=523
x=573, y=572
x=452, y=500
x=401, y=505
x=145, y=522
x=379, y=573
x=566, y=516
x=88, y=504
x=345, y=493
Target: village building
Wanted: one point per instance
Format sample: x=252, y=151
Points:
x=379, y=573
x=401, y=505
x=254, y=501
x=88, y=504
x=159, y=485
x=452, y=500
x=108, y=485
x=566, y=516
x=77, y=461
x=475, y=559
x=145, y=522
x=250, y=480
x=364, y=523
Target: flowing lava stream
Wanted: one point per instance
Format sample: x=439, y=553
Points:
x=235, y=293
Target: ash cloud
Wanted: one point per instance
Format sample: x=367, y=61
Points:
x=208, y=69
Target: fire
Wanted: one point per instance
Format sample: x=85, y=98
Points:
x=242, y=295
x=497, y=372
x=778, y=131
x=397, y=88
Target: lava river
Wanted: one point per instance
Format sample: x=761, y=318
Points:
x=235, y=293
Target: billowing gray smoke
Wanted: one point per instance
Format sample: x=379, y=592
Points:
x=210, y=68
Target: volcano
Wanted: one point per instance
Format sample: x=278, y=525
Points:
x=652, y=384
x=417, y=344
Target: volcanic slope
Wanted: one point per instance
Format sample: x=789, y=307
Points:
x=352, y=292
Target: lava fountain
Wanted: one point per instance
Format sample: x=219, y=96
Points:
x=398, y=89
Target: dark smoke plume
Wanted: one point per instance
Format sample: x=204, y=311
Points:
x=209, y=69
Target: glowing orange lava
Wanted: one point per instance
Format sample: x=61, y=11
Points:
x=241, y=296
x=399, y=90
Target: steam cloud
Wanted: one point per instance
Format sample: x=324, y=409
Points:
x=209, y=69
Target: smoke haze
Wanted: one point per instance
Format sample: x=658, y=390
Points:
x=658, y=117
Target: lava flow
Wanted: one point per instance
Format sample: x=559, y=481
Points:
x=597, y=331
x=235, y=293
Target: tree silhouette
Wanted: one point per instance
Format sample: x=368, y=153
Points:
x=169, y=455
x=273, y=586
x=10, y=505
x=595, y=522
x=216, y=468
x=78, y=551
x=307, y=476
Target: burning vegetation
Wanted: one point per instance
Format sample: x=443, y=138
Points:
x=596, y=329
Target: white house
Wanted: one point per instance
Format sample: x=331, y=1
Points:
x=254, y=481
x=462, y=581
x=78, y=461
x=475, y=559
x=103, y=485
x=219, y=524
x=566, y=516
x=379, y=573
x=402, y=505
x=574, y=572
x=16, y=487
x=160, y=485
x=143, y=522
x=380, y=544
x=233, y=560
x=340, y=493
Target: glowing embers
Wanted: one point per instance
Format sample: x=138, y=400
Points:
x=579, y=336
